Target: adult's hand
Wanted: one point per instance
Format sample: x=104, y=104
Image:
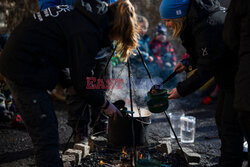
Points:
x=174, y=94
x=112, y=111
x=179, y=67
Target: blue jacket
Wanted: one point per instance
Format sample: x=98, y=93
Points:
x=50, y=3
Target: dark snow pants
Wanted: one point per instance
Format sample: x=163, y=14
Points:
x=244, y=117
x=229, y=130
x=40, y=120
x=92, y=116
x=80, y=120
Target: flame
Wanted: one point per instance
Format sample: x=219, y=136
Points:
x=124, y=153
x=102, y=163
x=140, y=155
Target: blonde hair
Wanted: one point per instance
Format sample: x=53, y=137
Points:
x=178, y=26
x=124, y=25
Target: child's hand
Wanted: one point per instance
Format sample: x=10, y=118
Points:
x=179, y=68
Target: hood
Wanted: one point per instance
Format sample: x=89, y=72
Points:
x=95, y=10
x=200, y=13
x=209, y=5
x=200, y=9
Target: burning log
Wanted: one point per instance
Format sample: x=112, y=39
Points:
x=104, y=164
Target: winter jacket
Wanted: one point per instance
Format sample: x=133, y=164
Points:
x=236, y=35
x=56, y=38
x=202, y=38
x=49, y=3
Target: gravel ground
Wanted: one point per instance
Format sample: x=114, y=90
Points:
x=16, y=146
x=206, y=143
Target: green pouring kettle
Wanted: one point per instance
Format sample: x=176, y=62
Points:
x=157, y=100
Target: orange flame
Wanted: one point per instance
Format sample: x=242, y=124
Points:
x=124, y=153
x=101, y=162
x=140, y=155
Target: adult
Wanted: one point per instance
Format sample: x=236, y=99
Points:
x=80, y=116
x=53, y=39
x=236, y=36
x=199, y=24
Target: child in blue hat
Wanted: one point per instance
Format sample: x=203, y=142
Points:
x=199, y=24
x=173, y=12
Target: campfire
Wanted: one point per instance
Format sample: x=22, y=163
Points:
x=150, y=155
x=112, y=151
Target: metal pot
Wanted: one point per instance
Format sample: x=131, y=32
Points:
x=120, y=130
x=157, y=100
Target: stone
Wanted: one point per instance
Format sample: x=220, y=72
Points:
x=84, y=148
x=67, y=164
x=193, y=164
x=76, y=153
x=190, y=155
x=68, y=160
x=165, y=147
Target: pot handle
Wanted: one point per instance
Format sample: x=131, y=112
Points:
x=147, y=123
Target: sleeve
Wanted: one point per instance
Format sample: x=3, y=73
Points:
x=205, y=55
x=82, y=50
x=242, y=82
x=65, y=79
x=43, y=4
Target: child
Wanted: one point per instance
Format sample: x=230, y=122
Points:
x=164, y=55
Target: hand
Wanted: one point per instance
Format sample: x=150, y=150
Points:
x=179, y=67
x=71, y=90
x=150, y=58
x=173, y=94
x=112, y=111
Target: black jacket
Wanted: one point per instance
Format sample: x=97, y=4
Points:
x=56, y=38
x=237, y=38
x=202, y=38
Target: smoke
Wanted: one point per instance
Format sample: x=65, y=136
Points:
x=140, y=83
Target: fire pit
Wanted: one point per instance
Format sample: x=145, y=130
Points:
x=104, y=156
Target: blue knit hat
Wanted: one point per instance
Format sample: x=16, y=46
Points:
x=160, y=29
x=171, y=9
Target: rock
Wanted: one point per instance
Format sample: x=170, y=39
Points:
x=76, y=153
x=98, y=138
x=193, y=164
x=83, y=147
x=190, y=155
x=68, y=160
x=67, y=164
x=165, y=147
